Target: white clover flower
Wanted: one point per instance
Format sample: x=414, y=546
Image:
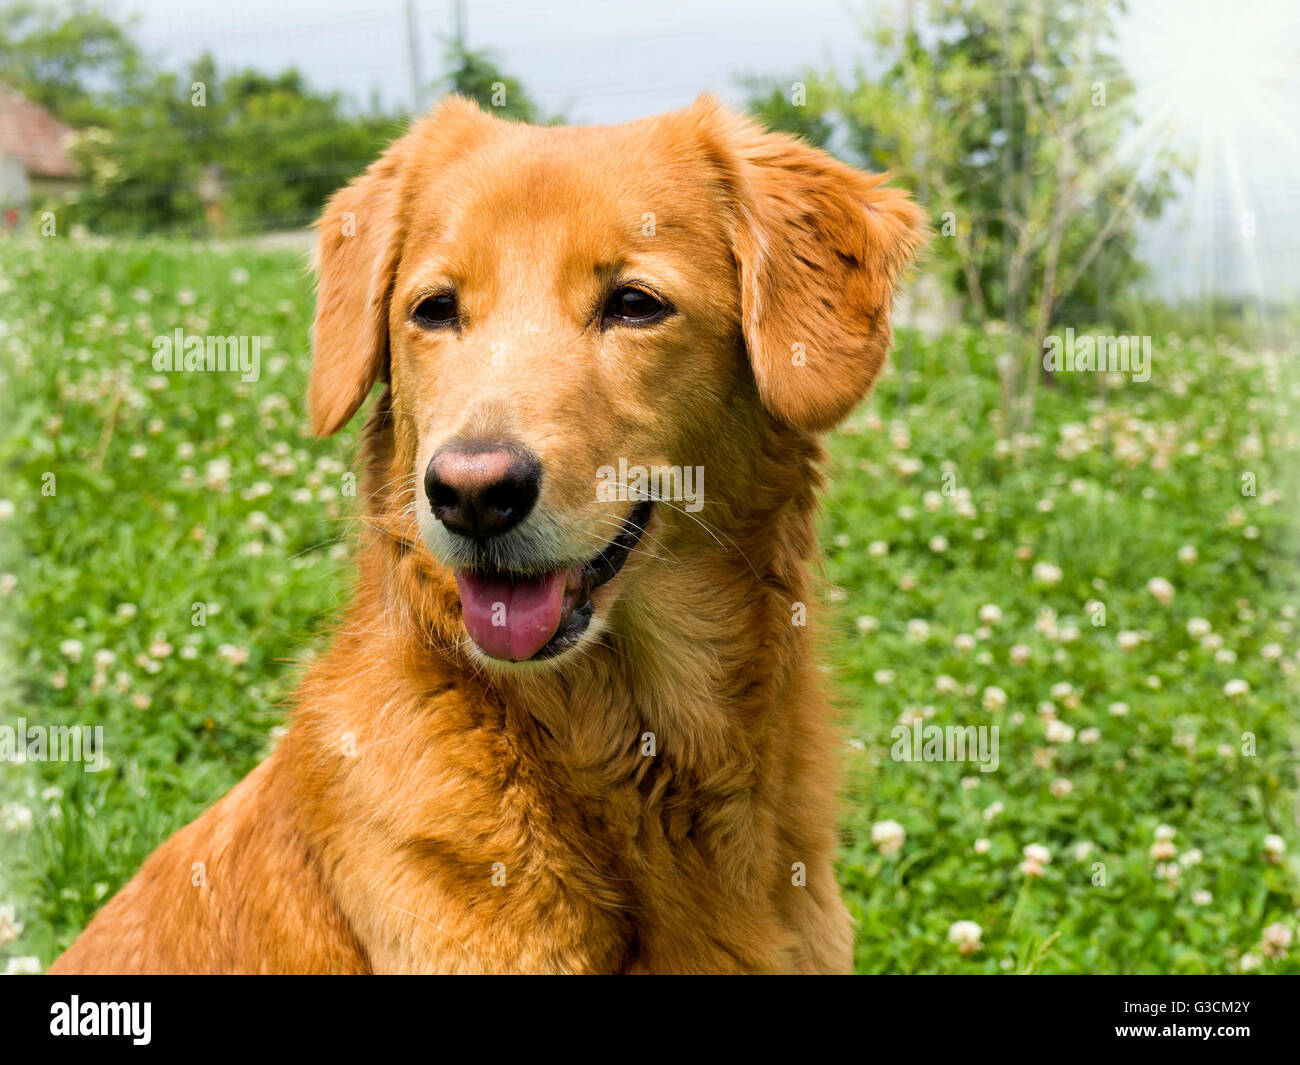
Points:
x=1036, y=852
x=1236, y=688
x=1019, y=654
x=25, y=965
x=15, y=816
x=966, y=936
x=918, y=630
x=992, y=810
x=1165, y=833
x=1118, y=709
x=1163, y=851
x=867, y=624
x=236, y=656
x=1060, y=787
x=946, y=685
x=888, y=836
x=1058, y=731
x=1250, y=961
x=1082, y=850
x=1198, y=628
x=1127, y=640
x=1271, y=652
x=982, y=846
x=938, y=544
x=963, y=642
x=71, y=649
x=1090, y=736
x=1188, y=555
x=1276, y=940
x=1202, y=898
x=1274, y=848
x=10, y=929
x=994, y=699
x=878, y=549
x=1046, y=573
x=1161, y=590
x=1191, y=857
x=990, y=614
x=884, y=676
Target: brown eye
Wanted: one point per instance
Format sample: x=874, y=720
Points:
x=634, y=306
x=437, y=311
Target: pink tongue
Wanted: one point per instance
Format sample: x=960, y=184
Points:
x=511, y=620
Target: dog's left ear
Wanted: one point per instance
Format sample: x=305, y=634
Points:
x=819, y=247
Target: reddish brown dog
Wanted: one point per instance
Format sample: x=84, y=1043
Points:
x=568, y=725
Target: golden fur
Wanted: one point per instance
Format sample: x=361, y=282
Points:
x=431, y=810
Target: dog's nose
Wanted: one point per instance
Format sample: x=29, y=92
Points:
x=482, y=489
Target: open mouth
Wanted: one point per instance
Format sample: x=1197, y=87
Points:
x=529, y=617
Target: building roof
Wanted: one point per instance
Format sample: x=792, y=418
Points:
x=35, y=136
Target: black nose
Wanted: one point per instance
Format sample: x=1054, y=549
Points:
x=482, y=489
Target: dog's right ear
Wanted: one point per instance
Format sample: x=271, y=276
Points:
x=357, y=251
x=358, y=248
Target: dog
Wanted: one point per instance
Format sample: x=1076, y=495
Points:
x=572, y=721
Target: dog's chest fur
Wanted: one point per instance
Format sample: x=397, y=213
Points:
x=470, y=833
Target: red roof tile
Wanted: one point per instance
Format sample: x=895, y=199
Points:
x=30, y=132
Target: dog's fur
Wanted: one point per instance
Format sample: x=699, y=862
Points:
x=432, y=809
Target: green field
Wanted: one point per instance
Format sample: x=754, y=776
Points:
x=169, y=491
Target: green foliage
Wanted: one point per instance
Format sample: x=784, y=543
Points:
x=800, y=108
x=196, y=488
x=64, y=57
x=203, y=153
x=475, y=74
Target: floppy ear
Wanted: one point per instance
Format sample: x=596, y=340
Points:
x=357, y=252
x=819, y=247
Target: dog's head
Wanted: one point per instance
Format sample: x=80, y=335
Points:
x=576, y=324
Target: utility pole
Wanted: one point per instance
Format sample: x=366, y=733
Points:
x=458, y=19
x=413, y=47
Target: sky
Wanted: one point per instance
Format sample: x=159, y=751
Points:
x=1227, y=70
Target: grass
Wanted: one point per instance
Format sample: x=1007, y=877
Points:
x=175, y=490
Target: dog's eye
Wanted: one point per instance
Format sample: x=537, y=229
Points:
x=633, y=305
x=436, y=311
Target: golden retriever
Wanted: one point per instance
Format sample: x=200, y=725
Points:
x=572, y=722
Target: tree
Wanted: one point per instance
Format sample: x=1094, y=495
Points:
x=475, y=74
x=65, y=59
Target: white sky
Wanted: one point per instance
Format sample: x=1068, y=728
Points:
x=604, y=61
